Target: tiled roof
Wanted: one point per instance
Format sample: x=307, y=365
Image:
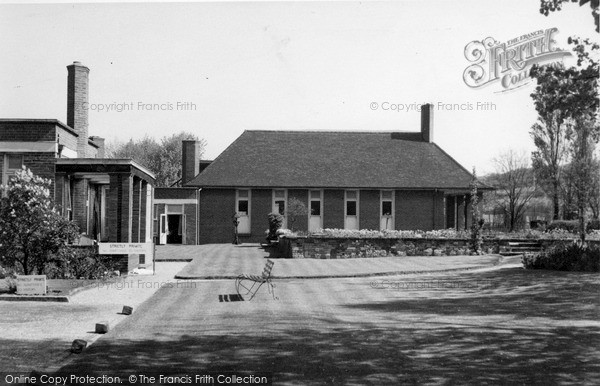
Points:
x=318, y=159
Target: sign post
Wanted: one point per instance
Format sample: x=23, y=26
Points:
x=146, y=249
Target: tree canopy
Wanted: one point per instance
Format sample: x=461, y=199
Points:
x=32, y=231
x=163, y=157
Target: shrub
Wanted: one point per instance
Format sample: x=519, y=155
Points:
x=295, y=209
x=31, y=229
x=565, y=257
x=593, y=225
x=9, y=278
x=80, y=263
x=571, y=226
x=275, y=223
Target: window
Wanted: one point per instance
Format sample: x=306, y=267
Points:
x=279, y=200
x=315, y=202
x=387, y=210
x=174, y=208
x=12, y=163
x=350, y=208
x=386, y=203
x=15, y=162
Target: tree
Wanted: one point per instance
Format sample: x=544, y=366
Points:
x=162, y=158
x=32, y=231
x=516, y=184
x=547, y=6
x=550, y=138
x=295, y=209
x=571, y=94
x=595, y=188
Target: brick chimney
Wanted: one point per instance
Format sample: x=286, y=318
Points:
x=190, y=160
x=427, y=122
x=99, y=141
x=77, y=100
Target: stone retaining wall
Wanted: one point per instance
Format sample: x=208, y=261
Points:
x=343, y=248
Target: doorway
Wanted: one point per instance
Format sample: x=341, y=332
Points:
x=172, y=229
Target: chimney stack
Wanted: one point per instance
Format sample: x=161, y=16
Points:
x=427, y=122
x=99, y=141
x=77, y=100
x=190, y=160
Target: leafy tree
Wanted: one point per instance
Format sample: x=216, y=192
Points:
x=551, y=139
x=515, y=183
x=162, y=158
x=32, y=232
x=571, y=95
x=595, y=188
x=295, y=209
x=547, y=6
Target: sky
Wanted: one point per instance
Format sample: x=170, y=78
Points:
x=218, y=68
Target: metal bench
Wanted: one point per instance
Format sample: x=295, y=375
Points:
x=250, y=284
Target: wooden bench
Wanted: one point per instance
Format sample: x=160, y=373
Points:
x=250, y=284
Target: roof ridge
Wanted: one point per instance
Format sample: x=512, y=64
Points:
x=334, y=131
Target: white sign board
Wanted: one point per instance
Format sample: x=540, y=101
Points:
x=31, y=284
x=125, y=248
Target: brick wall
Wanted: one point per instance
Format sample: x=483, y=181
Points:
x=191, y=230
x=27, y=131
x=333, y=209
x=216, y=210
x=80, y=195
x=369, y=209
x=261, y=204
x=423, y=210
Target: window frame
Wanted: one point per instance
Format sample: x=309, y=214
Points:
x=391, y=200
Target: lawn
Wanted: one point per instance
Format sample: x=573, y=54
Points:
x=477, y=327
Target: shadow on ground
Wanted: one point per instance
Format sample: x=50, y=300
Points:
x=521, y=327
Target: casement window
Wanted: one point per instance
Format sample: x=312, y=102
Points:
x=12, y=163
x=242, y=208
x=315, y=215
x=280, y=204
x=387, y=209
x=351, y=208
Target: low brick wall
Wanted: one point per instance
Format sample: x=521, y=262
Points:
x=344, y=248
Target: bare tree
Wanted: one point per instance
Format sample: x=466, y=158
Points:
x=516, y=184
